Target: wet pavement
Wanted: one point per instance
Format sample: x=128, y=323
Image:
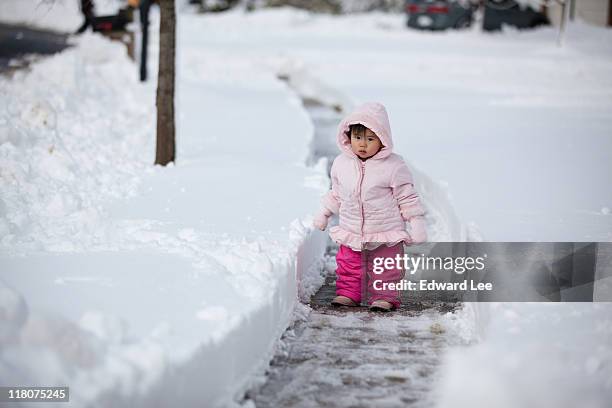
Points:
x=19, y=46
x=351, y=357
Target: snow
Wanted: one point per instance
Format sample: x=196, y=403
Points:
x=140, y=285
x=545, y=355
x=60, y=134
x=447, y=94
x=122, y=276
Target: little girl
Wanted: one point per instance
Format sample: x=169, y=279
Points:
x=373, y=193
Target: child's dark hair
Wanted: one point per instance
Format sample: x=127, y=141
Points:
x=357, y=128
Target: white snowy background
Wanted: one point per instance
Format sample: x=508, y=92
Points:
x=137, y=285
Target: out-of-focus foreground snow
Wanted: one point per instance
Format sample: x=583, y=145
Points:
x=137, y=284
x=549, y=355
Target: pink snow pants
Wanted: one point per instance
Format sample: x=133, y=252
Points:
x=355, y=276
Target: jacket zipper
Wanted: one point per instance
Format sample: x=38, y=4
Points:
x=361, y=201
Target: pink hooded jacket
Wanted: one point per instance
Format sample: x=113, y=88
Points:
x=375, y=197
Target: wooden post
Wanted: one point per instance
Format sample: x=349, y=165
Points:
x=165, y=151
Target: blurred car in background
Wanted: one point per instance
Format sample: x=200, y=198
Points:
x=510, y=12
x=439, y=14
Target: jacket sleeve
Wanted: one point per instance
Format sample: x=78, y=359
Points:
x=331, y=199
x=402, y=185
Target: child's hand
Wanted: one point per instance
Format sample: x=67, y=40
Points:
x=418, y=232
x=320, y=221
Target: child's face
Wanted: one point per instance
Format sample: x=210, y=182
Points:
x=365, y=144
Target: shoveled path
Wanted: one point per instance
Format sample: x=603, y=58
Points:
x=351, y=357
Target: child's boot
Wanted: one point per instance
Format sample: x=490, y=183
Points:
x=343, y=301
x=381, y=306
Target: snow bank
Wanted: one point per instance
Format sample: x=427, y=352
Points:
x=66, y=147
x=545, y=355
x=139, y=285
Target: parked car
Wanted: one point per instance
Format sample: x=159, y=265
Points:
x=498, y=12
x=439, y=14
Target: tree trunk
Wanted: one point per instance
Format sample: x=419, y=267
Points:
x=165, y=84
